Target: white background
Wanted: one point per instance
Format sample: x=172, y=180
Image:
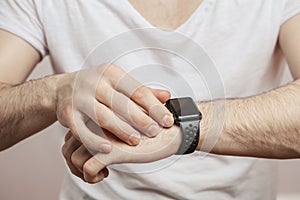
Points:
x=34, y=168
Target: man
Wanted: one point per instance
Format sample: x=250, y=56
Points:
x=244, y=39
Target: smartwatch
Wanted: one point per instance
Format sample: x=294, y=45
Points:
x=187, y=115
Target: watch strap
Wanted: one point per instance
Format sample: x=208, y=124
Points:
x=190, y=137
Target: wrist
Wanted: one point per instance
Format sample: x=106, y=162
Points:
x=61, y=87
x=167, y=142
x=205, y=108
x=47, y=94
x=172, y=139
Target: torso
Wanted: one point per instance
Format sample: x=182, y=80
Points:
x=248, y=65
x=166, y=14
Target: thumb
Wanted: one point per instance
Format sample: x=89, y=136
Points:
x=94, y=171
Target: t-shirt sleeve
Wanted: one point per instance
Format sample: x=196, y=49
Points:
x=290, y=9
x=20, y=17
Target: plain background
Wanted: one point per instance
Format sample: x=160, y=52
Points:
x=34, y=168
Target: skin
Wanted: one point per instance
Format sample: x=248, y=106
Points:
x=55, y=98
x=265, y=126
x=260, y=134
x=166, y=14
x=13, y=72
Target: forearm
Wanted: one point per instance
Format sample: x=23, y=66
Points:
x=26, y=109
x=265, y=126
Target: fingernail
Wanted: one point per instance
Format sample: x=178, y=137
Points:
x=100, y=175
x=153, y=130
x=105, y=148
x=167, y=120
x=134, y=139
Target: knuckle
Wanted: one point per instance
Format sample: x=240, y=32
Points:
x=104, y=123
x=75, y=160
x=100, y=69
x=108, y=69
x=140, y=93
x=103, y=90
x=68, y=136
x=89, y=170
x=137, y=95
x=102, y=118
x=140, y=121
x=65, y=151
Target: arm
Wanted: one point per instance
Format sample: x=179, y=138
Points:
x=104, y=93
x=22, y=112
x=266, y=125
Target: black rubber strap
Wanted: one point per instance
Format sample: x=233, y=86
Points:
x=190, y=137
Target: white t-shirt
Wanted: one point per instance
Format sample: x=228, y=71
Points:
x=240, y=37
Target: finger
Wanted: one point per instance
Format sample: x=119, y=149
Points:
x=156, y=110
x=105, y=172
x=75, y=171
x=140, y=94
x=92, y=170
x=79, y=157
x=90, y=139
x=107, y=120
x=128, y=110
x=68, y=148
x=146, y=99
x=162, y=95
x=68, y=136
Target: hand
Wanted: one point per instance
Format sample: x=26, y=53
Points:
x=76, y=155
x=92, y=169
x=113, y=100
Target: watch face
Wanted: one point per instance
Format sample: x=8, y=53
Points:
x=184, y=109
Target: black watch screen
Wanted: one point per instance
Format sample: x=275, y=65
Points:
x=187, y=115
x=184, y=109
